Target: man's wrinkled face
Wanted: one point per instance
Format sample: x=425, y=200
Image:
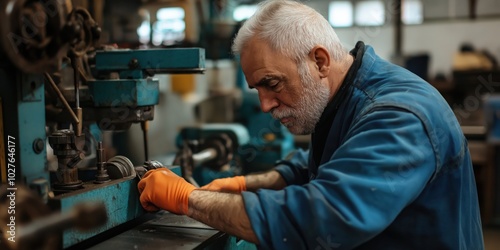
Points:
x=309, y=107
x=291, y=94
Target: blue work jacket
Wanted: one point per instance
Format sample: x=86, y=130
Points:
x=395, y=173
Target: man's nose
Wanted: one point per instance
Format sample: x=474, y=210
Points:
x=268, y=101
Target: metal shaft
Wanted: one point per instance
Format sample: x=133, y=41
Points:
x=78, y=110
x=76, y=76
x=100, y=155
x=145, y=128
x=204, y=156
x=102, y=173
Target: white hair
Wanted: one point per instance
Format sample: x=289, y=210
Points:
x=290, y=28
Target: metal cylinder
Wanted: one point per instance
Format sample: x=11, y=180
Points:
x=68, y=156
x=102, y=172
x=204, y=156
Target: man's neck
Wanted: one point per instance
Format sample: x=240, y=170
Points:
x=339, y=73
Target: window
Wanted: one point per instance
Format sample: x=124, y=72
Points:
x=340, y=14
x=243, y=12
x=412, y=12
x=143, y=32
x=170, y=26
x=369, y=13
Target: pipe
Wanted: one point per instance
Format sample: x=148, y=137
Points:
x=61, y=97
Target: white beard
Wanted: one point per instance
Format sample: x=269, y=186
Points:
x=309, y=107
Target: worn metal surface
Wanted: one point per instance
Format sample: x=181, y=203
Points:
x=187, y=60
x=120, y=197
x=164, y=231
x=132, y=93
x=170, y=231
x=31, y=117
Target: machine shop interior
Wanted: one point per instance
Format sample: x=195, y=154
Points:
x=93, y=94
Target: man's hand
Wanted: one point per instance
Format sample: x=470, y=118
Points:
x=162, y=189
x=231, y=185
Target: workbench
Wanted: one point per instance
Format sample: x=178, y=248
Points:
x=165, y=230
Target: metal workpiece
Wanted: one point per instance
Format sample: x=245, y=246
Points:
x=148, y=165
x=237, y=133
x=152, y=165
x=214, y=152
x=119, y=167
x=212, y=149
x=64, y=143
x=223, y=147
x=204, y=156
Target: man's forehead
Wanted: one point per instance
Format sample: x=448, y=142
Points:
x=256, y=47
x=258, y=57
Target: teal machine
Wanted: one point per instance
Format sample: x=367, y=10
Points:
x=220, y=142
x=87, y=195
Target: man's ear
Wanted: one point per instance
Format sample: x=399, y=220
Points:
x=320, y=56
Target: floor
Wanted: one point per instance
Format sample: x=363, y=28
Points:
x=491, y=238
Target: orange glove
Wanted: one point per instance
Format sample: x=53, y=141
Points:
x=235, y=184
x=162, y=189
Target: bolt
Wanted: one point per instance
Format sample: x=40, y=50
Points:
x=38, y=145
x=133, y=64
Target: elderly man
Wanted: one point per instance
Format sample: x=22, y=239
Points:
x=388, y=166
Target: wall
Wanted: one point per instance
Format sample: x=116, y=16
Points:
x=440, y=39
x=441, y=34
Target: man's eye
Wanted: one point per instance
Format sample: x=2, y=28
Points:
x=274, y=85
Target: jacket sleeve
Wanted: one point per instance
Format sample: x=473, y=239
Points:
x=382, y=166
x=294, y=170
